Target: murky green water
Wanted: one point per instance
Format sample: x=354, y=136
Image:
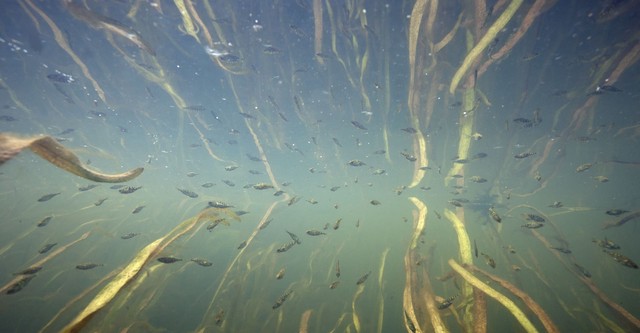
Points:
x=294, y=94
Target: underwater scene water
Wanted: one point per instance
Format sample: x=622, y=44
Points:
x=319, y=166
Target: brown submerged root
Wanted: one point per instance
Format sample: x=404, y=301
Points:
x=505, y=301
x=49, y=149
x=131, y=271
x=533, y=305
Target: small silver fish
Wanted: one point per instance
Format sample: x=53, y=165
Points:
x=533, y=225
x=88, y=266
x=45, y=221
x=137, y=210
x=16, y=287
x=202, y=262
x=363, y=278
x=129, y=189
x=130, y=235
x=44, y=249
x=446, y=303
x=87, y=188
x=47, y=197
x=100, y=201
x=168, y=260
x=29, y=271
x=188, y=193
x=219, y=204
x=358, y=125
